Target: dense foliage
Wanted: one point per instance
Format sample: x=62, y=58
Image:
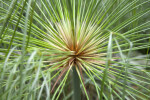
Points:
x=43, y=42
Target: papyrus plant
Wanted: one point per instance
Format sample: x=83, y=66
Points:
x=74, y=49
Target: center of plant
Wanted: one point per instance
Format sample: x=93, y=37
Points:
x=75, y=45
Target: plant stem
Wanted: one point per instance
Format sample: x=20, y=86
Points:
x=76, y=85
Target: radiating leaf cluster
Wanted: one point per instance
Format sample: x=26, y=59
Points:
x=42, y=40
